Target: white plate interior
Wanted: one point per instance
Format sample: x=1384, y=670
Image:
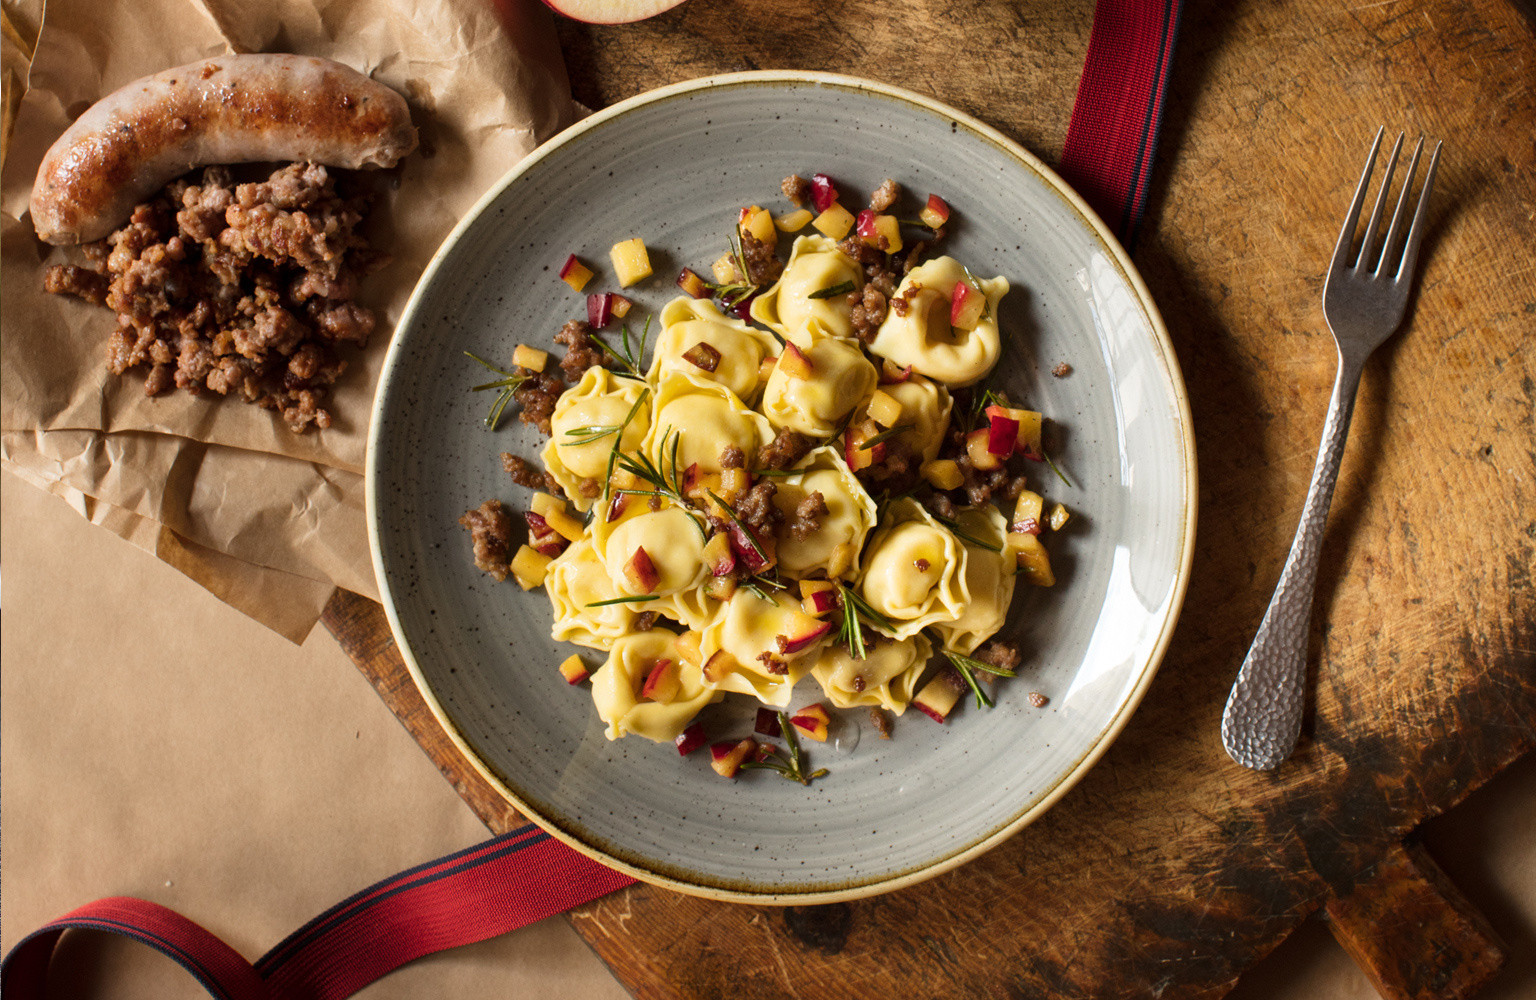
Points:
x=672, y=167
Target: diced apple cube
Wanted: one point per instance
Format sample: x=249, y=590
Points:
x=718, y=555
x=943, y=474
x=765, y=369
x=690, y=739
x=793, y=222
x=544, y=504
x=530, y=358
x=599, y=309
x=720, y=588
x=687, y=646
x=1059, y=517
x=976, y=447
x=640, y=572
x=758, y=223
x=1002, y=436
x=812, y=721
x=834, y=222
x=574, y=273
x=662, y=683
x=702, y=356
x=719, y=666
x=733, y=483
x=529, y=566
x=1034, y=561
x=935, y=213
x=689, y=281
x=966, y=304
x=573, y=669
x=1027, y=512
x=619, y=305
x=795, y=363
x=767, y=723
x=884, y=409
x=938, y=697
x=883, y=232
x=1030, y=423
x=631, y=261
x=801, y=633
x=566, y=526
x=818, y=597
x=725, y=270
x=727, y=756
x=823, y=192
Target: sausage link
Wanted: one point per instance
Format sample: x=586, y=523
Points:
x=229, y=109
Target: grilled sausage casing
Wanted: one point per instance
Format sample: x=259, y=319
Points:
x=229, y=109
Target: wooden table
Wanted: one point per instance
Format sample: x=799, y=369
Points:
x=1167, y=871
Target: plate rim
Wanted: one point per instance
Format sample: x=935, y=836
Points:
x=1170, y=368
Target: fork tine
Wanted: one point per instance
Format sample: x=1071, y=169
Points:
x=1389, y=248
x=1347, y=233
x=1416, y=231
x=1368, y=239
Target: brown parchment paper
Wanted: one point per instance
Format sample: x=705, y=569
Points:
x=268, y=520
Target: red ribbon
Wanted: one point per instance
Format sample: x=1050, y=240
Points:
x=526, y=875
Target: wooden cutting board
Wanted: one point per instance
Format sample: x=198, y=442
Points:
x=1169, y=870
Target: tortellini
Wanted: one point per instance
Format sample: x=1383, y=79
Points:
x=673, y=541
x=886, y=678
x=768, y=645
x=920, y=334
x=833, y=548
x=575, y=581
x=699, y=420
x=989, y=577
x=913, y=571
x=925, y=407
x=815, y=404
x=578, y=449
x=815, y=265
x=687, y=322
x=676, y=695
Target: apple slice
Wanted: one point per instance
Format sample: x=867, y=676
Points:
x=818, y=597
x=834, y=222
x=720, y=588
x=529, y=566
x=725, y=271
x=767, y=723
x=689, y=281
x=976, y=446
x=617, y=506
x=1030, y=425
x=718, y=555
x=662, y=683
x=883, y=232
x=610, y=11
x=703, y=356
x=758, y=223
x=756, y=553
x=1059, y=517
x=573, y=670
x=530, y=358
x=690, y=739
x=823, y=192
x=574, y=273
x=884, y=409
x=966, y=304
x=943, y=474
x=619, y=305
x=719, y=666
x=733, y=483
x=1034, y=561
x=891, y=375
x=1002, y=436
x=812, y=721
x=727, y=756
x=793, y=222
x=599, y=309
x=935, y=213
x=802, y=633
x=794, y=362
x=1027, y=512
x=938, y=697
x=631, y=261
x=640, y=572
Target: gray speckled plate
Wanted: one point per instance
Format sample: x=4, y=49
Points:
x=673, y=167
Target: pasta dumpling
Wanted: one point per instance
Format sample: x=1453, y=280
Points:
x=701, y=419
x=815, y=264
x=673, y=547
x=925, y=408
x=833, y=547
x=913, y=572
x=989, y=577
x=576, y=453
x=575, y=580
x=648, y=689
x=887, y=676
x=739, y=348
x=921, y=335
x=840, y=375
x=761, y=647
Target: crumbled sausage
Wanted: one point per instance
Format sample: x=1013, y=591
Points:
x=537, y=396
x=885, y=195
x=866, y=311
x=806, y=519
x=881, y=723
x=797, y=189
x=763, y=264
x=755, y=509
x=1000, y=654
x=525, y=473
x=1062, y=370
x=490, y=531
x=786, y=448
x=732, y=457
x=581, y=351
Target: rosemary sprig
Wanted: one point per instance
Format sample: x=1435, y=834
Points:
x=662, y=485
x=631, y=355
x=960, y=533
x=841, y=288
x=850, y=627
x=792, y=766
x=1046, y=456
x=637, y=599
x=884, y=436
x=968, y=666
x=586, y=435
x=746, y=532
x=507, y=385
x=734, y=293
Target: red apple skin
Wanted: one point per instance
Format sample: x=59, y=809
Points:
x=1002, y=436
x=641, y=572
x=617, y=505
x=767, y=723
x=655, y=680
x=823, y=601
x=727, y=756
x=935, y=716
x=823, y=192
x=599, y=309
x=793, y=644
x=691, y=739
x=935, y=213
x=795, y=363
x=690, y=282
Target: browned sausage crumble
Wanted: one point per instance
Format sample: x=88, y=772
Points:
x=490, y=531
x=241, y=290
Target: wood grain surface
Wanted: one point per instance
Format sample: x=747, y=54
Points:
x=1168, y=870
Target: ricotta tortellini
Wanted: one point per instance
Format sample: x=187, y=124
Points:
x=775, y=501
x=920, y=335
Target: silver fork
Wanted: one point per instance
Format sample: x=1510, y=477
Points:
x=1364, y=300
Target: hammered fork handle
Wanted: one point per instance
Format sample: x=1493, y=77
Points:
x=1262, y=720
